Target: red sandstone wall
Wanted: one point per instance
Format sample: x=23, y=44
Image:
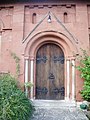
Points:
x=16, y=23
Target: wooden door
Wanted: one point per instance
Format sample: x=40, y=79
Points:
x=50, y=72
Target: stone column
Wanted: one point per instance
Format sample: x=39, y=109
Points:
x=73, y=79
x=68, y=78
x=26, y=74
x=32, y=76
x=0, y=44
x=0, y=50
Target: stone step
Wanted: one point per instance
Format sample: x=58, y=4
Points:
x=54, y=103
x=57, y=110
x=58, y=114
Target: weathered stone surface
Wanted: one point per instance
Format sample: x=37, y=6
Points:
x=57, y=110
x=87, y=113
x=58, y=114
x=69, y=29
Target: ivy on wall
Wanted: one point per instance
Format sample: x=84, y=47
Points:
x=17, y=61
x=84, y=68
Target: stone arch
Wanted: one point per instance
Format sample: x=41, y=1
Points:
x=68, y=46
x=69, y=49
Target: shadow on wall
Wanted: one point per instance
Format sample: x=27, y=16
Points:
x=39, y=1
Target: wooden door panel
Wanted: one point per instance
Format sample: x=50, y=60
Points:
x=50, y=72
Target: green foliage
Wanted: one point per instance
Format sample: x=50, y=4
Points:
x=28, y=84
x=17, y=60
x=84, y=68
x=14, y=105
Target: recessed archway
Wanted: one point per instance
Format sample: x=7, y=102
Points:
x=68, y=49
x=68, y=46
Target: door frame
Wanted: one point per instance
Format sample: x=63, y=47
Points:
x=68, y=48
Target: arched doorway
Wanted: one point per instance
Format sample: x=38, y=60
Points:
x=67, y=48
x=50, y=72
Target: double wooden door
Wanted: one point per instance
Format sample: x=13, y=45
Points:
x=50, y=72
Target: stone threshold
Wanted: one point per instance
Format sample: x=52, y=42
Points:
x=54, y=103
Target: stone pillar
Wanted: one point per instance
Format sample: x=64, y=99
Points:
x=0, y=50
x=0, y=44
x=73, y=79
x=26, y=74
x=32, y=76
x=68, y=79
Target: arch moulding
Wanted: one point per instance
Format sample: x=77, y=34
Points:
x=40, y=39
x=68, y=47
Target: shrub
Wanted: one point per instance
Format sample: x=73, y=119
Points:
x=84, y=68
x=14, y=105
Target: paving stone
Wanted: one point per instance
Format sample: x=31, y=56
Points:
x=52, y=112
x=58, y=114
x=87, y=113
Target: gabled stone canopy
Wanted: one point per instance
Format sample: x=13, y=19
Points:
x=62, y=28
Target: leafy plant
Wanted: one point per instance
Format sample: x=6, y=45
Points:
x=28, y=84
x=84, y=68
x=14, y=105
x=17, y=60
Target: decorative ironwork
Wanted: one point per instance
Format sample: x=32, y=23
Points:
x=59, y=59
x=51, y=76
x=40, y=59
x=40, y=90
x=55, y=91
x=44, y=90
x=62, y=91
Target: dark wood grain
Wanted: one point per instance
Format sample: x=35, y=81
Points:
x=49, y=74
